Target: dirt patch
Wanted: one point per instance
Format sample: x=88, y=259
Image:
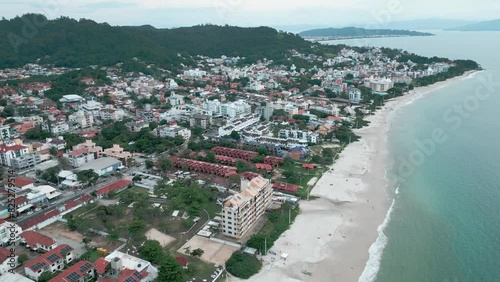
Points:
x=164, y=239
x=214, y=252
x=60, y=230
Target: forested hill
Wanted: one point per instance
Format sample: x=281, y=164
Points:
x=359, y=32
x=72, y=43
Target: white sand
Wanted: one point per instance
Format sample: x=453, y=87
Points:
x=332, y=235
x=164, y=239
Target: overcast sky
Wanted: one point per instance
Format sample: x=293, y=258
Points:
x=174, y=13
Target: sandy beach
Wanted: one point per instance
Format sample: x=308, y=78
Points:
x=333, y=237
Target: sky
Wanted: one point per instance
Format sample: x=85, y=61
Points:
x=175, y=13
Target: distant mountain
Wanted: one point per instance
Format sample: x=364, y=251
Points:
x=426, y=24
x=493, y=25
x=355, y=32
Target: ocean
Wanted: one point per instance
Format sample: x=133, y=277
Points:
x=444, y=224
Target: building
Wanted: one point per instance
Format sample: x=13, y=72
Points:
x=310, y=137
x=136, y=126
x=81, y=271
x=19, y=184
x=91, y=147
x=115, y=186
x=235, y=110
x=121, y=262
x=71, y=98
x=239, y=124
x=8, y=261
x=379, y=85
x=37, y=241
x=241, y=212
x=56, y=127
x=81, y=119
x=235, y=153
x=9, y=231
x=204, y=167
x=79, y=157
x=50, y=192
x=285, y=187
x=172, y=131
x=117, y=152
x=9, y=152
x=103, y=166
x=354, y=95
x=5, y=132
x=26, y=161
x=199, y=120
x=52, y=261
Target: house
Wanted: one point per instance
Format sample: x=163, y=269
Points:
x=19, y=184
x=8, y=260
x=285, y=187
x=37, y=241
x=172, y=131
x=354, y=95
x=50, y=192
x=52, y=261
x=309, y=166
x=9, y=152
x=113, y=187
x=127, y=266
x=81, y=271
x=9, y=232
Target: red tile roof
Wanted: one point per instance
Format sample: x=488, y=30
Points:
x=20, y=200
x=266, y=167
x=33, y=238
x=114, y=186
x=39, y=219
x=79, y=152
x=20, y=182
x=43, y=259
x=80, y=268
x=4, y=254
x=285, y=187
x=77, y=201
x=249, y=175
x=5, y=148
x=309, y=166
x=101, y=265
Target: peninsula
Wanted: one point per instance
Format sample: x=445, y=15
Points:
x=354, y=32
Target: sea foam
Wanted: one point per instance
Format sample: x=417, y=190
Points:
x=376, y=249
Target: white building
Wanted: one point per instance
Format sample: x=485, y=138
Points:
x=239, y=124
x=120, y=261
x=82, y=119
x=241, y=212
x=52, y=261
x=9, y=232
x=91, y=107
x=79, y=157
x=196, y=73
x=379, y=85
x=354, y=95
x=172, y=131
x=5, y=132
x=9, y=152
x=113, y=114
x=235, y=109
x=308, y=136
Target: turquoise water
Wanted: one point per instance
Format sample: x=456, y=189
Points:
x=445, y=224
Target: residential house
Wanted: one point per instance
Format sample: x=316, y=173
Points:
x=82, y=271
x=354, y=95
x=9, y=232
x=241, y=211
x=121, y=262
x=8, y=261
x=172, y=131
x=19, y=184
x=9, y=152
x=81, y=119
x=50, y=192
x=37, y=241
x=199, y=120
x=53, y=260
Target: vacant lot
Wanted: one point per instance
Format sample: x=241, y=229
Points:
x=164, y=239
x=214, y=252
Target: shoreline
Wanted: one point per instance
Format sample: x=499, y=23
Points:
x=339, y=236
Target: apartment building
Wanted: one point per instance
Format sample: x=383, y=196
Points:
x=91, y=147
x=242, y=211
x=117, y=152
x=79, y=157
x=9, y=232
x=9, y=152
x=172, y=131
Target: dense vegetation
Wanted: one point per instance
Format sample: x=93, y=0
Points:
x=72, y=43
x=243, y=265
x=359, y=32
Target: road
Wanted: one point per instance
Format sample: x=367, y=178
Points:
x=67, y=196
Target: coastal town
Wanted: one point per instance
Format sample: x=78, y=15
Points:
x=134, y=172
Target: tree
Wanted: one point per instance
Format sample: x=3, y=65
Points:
x=243, y=265
x=86, y=241
x=22, y=258
x=152, y=251
x=349, y=76
x=258, y=159
x=53, y=151
x=164, y=163
x=88, y=177
x=170, y=270
x=197, y=253
x=136, y=225
x=45, y=276
x=137, y=178
x=153, y=125
x=149, y=164
x=235, y=135
x=37, y=134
